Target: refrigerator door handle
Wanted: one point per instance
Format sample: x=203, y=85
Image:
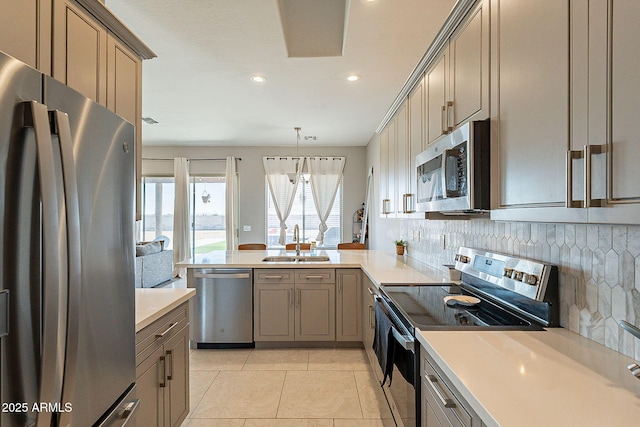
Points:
x=36, y=116
x=63, y=129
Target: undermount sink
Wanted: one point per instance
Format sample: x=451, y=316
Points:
x=296, y=258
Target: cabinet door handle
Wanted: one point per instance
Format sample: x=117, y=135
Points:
x=316, y=276
x=163, y=382
x=571, y=156
x=589, y=151
x=272, y=277
x=339, y=288
x=446, y=402
x=298, y=297
x=290, y=298
x=449, y=120
x=371, y=318
x=443, y=119
x=170, y=354
x=373, y=294
x=171, y=326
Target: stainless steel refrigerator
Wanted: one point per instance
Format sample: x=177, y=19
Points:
x=66, y=256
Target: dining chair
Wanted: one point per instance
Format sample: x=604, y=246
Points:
x=251, y=246
x=351, y=245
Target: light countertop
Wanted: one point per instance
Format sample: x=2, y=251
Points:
x=542, y=378
x=152, y=304
x=379, y=266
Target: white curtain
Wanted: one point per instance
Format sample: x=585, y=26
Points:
x=283, y=176
x=326, y=173
x=181, y=217
x=231, y=215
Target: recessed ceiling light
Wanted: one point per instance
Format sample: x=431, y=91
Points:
x=258, y=78
x=353, y=77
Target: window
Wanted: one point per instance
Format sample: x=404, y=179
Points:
x=208, y=207
x=208, y=210
x=303, y=213
x=157, y=208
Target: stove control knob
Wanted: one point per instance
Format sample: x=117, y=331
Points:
x=508, y=272
x=635, y=369
x=530, y=279
x=462, y=258
x=517, y=275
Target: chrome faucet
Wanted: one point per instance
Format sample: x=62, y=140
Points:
x=296, y=238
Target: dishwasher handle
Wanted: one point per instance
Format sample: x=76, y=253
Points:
x=221, y=275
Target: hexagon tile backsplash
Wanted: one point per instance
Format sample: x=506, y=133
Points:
x=599, y=266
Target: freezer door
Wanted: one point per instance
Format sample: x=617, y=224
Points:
x=103, y=148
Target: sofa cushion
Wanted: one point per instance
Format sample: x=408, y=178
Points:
x=148, y=248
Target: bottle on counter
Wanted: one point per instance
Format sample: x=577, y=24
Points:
x=313, y=247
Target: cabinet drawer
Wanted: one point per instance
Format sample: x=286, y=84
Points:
x=315, y=275
x=273, y=275
x=436, y=390
x=156, y=334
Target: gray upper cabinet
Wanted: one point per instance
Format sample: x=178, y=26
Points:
x=25, y=32
x=80, y=43
x=532, y=104
x=612, y=149
x=530, y=108
x=388, y=187
x=416, y=141
x=469, y=69
x=435, y=79
x=457, y=84
x=566, y=102
x=401, y=157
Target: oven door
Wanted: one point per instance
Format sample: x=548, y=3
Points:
x=399, y=388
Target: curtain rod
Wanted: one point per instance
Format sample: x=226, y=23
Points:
x=159, y=159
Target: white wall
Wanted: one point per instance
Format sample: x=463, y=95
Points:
x=252, y=179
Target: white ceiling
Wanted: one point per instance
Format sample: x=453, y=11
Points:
x=198, y=88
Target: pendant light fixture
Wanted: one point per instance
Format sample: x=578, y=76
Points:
x=293, y=176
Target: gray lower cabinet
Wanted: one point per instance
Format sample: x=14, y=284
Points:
x=162, y=370
x=348, y=306
x=368, y=322
x=441, y=403
x=294, y=305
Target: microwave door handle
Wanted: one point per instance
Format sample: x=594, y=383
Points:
x=445, y=156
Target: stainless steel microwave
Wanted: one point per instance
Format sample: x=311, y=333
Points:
x=453, y=174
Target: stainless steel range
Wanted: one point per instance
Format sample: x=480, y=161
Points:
x=496, y=292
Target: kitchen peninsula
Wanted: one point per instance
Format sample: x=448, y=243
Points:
x=506, y=377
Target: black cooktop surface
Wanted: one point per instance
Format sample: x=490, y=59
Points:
x=425, y=308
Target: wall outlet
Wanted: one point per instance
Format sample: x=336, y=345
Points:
x=443, y=241
x=417, y=235
x=246, y=228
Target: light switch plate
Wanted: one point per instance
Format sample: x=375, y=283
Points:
x=246, y=228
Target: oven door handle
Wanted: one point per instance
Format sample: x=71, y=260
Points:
x=406, y=341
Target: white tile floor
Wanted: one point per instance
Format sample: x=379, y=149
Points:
x=284, y=388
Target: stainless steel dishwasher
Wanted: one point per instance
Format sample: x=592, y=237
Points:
x=222, y=310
